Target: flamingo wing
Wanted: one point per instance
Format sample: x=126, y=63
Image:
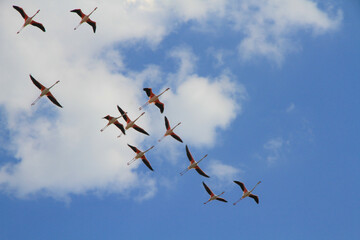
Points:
x=160, y=105
x=191, y=159
x=123, y=114
x=256, y=198
x=176, y=137
x=149, y=92
x=92, y=23
x=208, y=189
x=167, y=125
x=78, y=12
x=37, y=84
x=220, y=199
x=201, y=172
x=147, y=163
x=39, y=25
x=242, y=185
x=21, y=11
x=139, y=129
x=53, y=100
x=134, y=148
x=120, y=126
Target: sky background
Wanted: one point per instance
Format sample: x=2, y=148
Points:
x=269, y=89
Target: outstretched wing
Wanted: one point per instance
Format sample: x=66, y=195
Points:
x=198, y=169
x=149, y=92
x=221, y=199
x=160, y=105
x=78, y=12
x=242, y=185
x=139, y=129
x=123, y=114
x=208, y=189
x=92, y=23
x=37, y=84
x=176, y=137
x=134, y=148
x=53, y=100
x=39, y=25
x=256, y=198
x=167, y=125
x=191, y=159
x=147, y=163
x=21, y=11
x=120, y=126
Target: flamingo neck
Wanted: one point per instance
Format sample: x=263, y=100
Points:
x=149, y=149
x=92, y=11
x=139, y=117
x=121, y=115
x=163, y=92
x=255, y=186
x=35, y=14
x=202, y=158
x=53, y=84
x=176, y=126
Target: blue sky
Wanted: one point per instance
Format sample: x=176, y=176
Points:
x=268, y=89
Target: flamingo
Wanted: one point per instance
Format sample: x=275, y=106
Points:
x=154, y=99
x=193, y=164
x=169, y=131
x=140, y=154
x=247, y=193
x=130, y=123
x=28, y=20
x=212, y=195
x=85, y=18
x=113, y=120
x=45, y=91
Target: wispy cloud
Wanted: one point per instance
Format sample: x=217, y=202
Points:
x=274, y=147
x=290, y=108
x=270, y=25
x=222, y=171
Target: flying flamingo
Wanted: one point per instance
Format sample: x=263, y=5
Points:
x=45, y=91
x=130, y=123
x=113, y=120
x=193, y=164
x=140, y=154
x=212, y=195
x=154, y=99
x=28, y=20
x=247, y=193
x=85, y=18
x=169, y=131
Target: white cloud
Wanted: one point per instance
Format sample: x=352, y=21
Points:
x=270, y=25
x=223, y=172
x=274, y=148
x=61, y=151
x=290, y=108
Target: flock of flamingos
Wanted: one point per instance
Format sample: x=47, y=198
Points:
x=153, y=98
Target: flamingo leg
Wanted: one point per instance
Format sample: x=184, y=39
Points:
x=36, y=101
x=237, y=201
x=131, y=161
x=183, y=172
x=161, y=138
x=207, y=201
x=104, y=128
x=147, y=103
x=77, y=26
x=20, y=29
